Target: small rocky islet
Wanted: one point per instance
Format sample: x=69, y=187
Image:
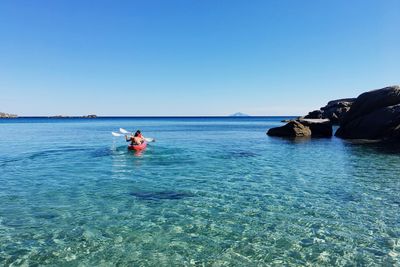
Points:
x=7, y=115
x=373, y=115
x=91, y=116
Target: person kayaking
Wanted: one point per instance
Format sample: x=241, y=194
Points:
x=136, y=139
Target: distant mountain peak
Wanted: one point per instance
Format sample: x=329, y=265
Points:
x=239, y=114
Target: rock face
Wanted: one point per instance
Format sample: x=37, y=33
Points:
x=291, y=129
x=303, y=128
x=7, y=116
x=334, y=110
x=318, y=127
x=373, y=115
x=316, y=114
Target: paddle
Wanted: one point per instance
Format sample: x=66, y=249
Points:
x=125, y=132
x=117, y=134
x=122, y=130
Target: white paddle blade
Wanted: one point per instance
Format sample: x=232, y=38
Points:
x=122, y=130
x=116, y=134
x=149, y=140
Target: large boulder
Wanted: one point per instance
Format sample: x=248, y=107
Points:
x=318, y=127
x=373, y=100
x=291, y=129
x=374, y=115
x=383, y=123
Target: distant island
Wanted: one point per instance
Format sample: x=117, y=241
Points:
x=239, y=114
x=7, y=115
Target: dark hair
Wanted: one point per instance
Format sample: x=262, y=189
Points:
x=137, y=133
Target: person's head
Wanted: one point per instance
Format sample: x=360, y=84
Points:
x=137, y=133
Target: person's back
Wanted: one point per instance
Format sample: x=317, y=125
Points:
x=136, y=139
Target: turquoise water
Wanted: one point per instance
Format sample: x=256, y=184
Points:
x=209, y=192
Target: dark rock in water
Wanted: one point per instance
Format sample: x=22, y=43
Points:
x=373, y=100
x=291, y=129
x=374, y=115
x=161, y=195
x=334, y=110
x=304, y=127
x=383, y=123
x=318, y=127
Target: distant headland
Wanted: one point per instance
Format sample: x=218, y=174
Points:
x=13, y=116
x=91, y=116
x=7, y=115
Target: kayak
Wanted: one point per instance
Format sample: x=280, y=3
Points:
x=138, y=147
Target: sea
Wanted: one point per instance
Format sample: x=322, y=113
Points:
x=210, y=191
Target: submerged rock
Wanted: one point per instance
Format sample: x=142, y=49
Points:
x=161, y=195
x=291, y=129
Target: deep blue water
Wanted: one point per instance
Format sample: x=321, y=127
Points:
x=210, y=191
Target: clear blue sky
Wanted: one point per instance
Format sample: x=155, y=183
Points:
x=198, y=57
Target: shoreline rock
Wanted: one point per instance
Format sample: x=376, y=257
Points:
x=335, y=110
x=291, y=129
x=303, y=128
x=318, y=127
x=374, y=115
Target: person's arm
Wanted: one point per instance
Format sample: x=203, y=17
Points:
x=127, y=139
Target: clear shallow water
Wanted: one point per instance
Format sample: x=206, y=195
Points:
x=213, y=192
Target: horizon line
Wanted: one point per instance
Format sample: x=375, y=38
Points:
x=149, y=116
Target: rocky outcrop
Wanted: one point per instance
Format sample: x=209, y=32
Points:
x=373, y=115
x=7, y=115
x=316, y=114
x=373, y=100
x=334, y=110
x=318, y=127
x=303, y=128
x=291, y=129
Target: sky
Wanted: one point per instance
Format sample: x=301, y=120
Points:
x=193, y=57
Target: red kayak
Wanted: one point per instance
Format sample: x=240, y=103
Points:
x=138, y=147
